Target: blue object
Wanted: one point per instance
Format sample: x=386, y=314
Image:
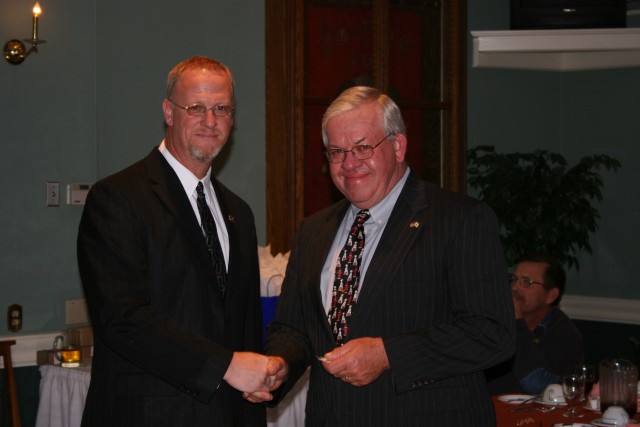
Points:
x=268, y=312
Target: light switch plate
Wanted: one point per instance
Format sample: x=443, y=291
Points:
x=53, y=194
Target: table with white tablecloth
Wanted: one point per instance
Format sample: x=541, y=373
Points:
x=62, y=395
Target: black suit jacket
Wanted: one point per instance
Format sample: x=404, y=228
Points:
x=164, y=336
x=435, y=291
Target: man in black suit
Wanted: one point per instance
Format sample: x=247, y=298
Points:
x=431, y=309
x=175, y=306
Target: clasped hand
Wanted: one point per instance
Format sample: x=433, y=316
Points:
x=254, y=373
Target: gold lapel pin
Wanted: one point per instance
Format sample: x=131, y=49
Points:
x=232, y=218
x=414, y=224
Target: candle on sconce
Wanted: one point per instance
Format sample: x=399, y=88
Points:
x=14, y=50
x=36, y=12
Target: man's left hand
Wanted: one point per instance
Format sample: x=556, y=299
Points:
x=359, y=362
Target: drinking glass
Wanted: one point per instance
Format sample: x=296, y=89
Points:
x=573, y=388
x=589, y=374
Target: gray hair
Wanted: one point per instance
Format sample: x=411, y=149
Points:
x=357, y=96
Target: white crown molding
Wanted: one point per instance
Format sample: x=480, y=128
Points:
x=557, y=50
x=602, y=309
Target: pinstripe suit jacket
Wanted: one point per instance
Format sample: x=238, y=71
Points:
x=164, y=336
x=435, y=293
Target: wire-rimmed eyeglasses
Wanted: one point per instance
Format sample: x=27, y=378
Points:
x=360, y=152
x=201, y=110
x=524, y=281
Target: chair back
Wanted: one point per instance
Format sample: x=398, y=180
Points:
x=10, y=383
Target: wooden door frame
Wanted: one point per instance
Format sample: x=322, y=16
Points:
x=284, y=38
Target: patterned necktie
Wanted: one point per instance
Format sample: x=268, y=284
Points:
x=211, y=239
x=345, y=284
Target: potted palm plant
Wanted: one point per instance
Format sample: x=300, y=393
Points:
x=543, y=204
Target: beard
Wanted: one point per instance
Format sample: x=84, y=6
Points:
x=202, y=155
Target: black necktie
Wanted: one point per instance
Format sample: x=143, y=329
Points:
x=211, y=239
x=345, y=284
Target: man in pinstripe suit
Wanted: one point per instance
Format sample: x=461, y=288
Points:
x=433, y=309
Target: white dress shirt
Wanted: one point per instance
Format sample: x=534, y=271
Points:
x=190, y=182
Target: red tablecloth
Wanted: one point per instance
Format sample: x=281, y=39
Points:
x=506, y=418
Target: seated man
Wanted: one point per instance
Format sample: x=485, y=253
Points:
x=549, y=344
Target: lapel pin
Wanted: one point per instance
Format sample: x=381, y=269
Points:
x=232, y=218
x=414, y=224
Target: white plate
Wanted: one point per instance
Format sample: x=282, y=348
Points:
x=542, y=402
x=600, y=423
x=515, y=399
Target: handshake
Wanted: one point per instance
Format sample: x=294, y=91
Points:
x=256, y=375
x=359, y=362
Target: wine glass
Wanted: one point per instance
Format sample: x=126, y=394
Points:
x=589, y=374
x=573, y=388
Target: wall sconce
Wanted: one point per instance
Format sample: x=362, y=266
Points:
x=15, y=51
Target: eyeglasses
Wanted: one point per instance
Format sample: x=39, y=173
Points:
x=525, y=282
x=201, y=110
x=360, y=152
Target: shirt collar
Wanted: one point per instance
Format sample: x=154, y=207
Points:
x=187, y=178
x=381, y=212
x=549, y=317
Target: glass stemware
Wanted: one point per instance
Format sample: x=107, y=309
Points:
x=573, y=389
x=589, y=374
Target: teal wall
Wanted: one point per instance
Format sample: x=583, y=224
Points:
x=576, y=114
x=88, y=104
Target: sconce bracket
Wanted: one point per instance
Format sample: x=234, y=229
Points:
x=15, y=52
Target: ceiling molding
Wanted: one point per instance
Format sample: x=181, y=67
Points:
x=557, y=50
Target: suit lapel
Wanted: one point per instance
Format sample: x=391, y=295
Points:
x=405, y=224
x=167, y=186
